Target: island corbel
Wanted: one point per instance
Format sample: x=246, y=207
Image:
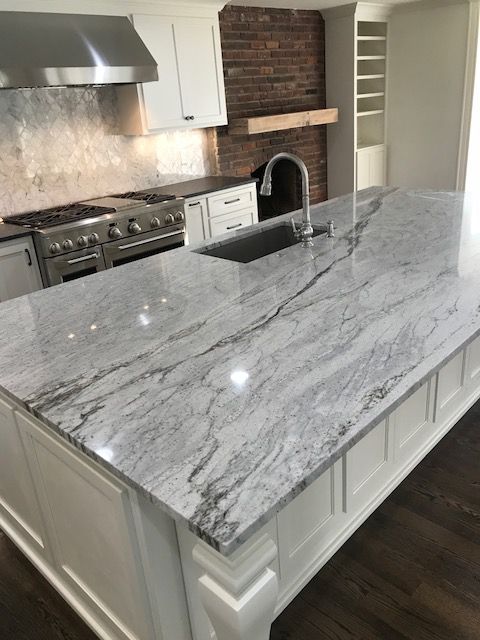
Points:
x=239, y=593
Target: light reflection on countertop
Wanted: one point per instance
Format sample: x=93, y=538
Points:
x=220, y=389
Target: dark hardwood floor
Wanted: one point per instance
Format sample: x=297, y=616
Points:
x=411, y=572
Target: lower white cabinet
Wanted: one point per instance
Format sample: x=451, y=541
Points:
x=130, y=572
x=18, y=495
x=371, y=167
x=110, y=554
x=216, y=213
x=19, y=272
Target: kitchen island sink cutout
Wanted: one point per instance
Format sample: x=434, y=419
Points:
x=258, y=244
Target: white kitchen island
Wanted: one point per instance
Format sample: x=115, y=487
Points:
x=186, y=435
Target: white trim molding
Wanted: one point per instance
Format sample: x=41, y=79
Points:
x=469, y=91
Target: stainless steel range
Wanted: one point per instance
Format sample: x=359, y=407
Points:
x=82, y=238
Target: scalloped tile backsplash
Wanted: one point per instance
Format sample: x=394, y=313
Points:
x=61, y=145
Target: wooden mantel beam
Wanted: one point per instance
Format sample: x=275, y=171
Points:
x=264, y=124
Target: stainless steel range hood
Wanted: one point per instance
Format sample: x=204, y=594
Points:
x=56, y=49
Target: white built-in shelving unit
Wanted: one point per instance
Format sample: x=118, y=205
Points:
x=356, y=74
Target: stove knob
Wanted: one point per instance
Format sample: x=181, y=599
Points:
x=93, y=238
x=134, y=227
x=82, y=241
x=115, y=233
x=179, y=217
x=155, y=223
x=67, y=245
x=54, y=247
x=169, y=219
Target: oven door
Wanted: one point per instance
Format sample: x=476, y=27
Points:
x=129, y=249
x=73, y=265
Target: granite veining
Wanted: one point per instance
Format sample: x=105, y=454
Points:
x=221, y=390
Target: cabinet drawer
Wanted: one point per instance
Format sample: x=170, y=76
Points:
x=196, y=220
x=237, y=220
x=232, y=200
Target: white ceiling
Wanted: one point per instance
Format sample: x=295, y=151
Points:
x=308, y=4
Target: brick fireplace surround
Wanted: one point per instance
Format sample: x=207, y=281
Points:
x=274, y=62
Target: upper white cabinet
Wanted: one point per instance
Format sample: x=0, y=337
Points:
x=190, y=92
x=19, y=273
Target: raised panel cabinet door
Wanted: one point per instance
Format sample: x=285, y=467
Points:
x=363, y=170
x=200, y=69
x=162, y=101
x=377, y=167
x=89, y=520
x=196, y=220
x=18, y=498
x=19, y=272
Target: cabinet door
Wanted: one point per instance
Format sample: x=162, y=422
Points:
x=18, y=498
x=196, y=220
x=190, y=92
x=162, y=102
x=200, y=70
x=377, y=167
x=89, y=521
x=371, y=167
x=19, y=272
x=363, y=170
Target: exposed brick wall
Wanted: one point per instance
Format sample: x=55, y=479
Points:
x=274, y=62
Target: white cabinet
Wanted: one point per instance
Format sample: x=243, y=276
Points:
x=112, y=556
x=190, y=92
x=216, y=213
x=356, y=39
x=18, y=497
x=196, y=220
x=19, y=273
x=371, y=167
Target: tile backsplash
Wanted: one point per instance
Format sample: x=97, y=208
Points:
x=61, y=145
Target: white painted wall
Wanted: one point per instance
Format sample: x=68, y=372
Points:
x=427, y=55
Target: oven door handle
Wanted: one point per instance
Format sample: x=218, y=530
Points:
x=90, y=256
x=148, y=240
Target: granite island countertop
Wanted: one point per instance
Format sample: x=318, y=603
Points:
x=221, y=390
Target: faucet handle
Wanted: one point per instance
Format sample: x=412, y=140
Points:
x=294, y=227
x=330, y=229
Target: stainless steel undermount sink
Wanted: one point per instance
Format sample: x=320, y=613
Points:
x=258, y=244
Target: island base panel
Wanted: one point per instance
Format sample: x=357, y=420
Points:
x=311, y=528
x=121, y=563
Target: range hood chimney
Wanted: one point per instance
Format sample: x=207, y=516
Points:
x=57, y=49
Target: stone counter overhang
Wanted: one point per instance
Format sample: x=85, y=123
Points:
x=221, y=390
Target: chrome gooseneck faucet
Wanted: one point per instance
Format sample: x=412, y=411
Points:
x=305, y=233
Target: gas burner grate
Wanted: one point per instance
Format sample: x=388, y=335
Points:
x=146, y=196
x=58, y=215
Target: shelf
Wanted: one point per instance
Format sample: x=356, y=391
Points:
x=372, y=76
x=372, y=38
x=371, y=58
x=263, y=124
x=370, y=113
x=380, y=94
